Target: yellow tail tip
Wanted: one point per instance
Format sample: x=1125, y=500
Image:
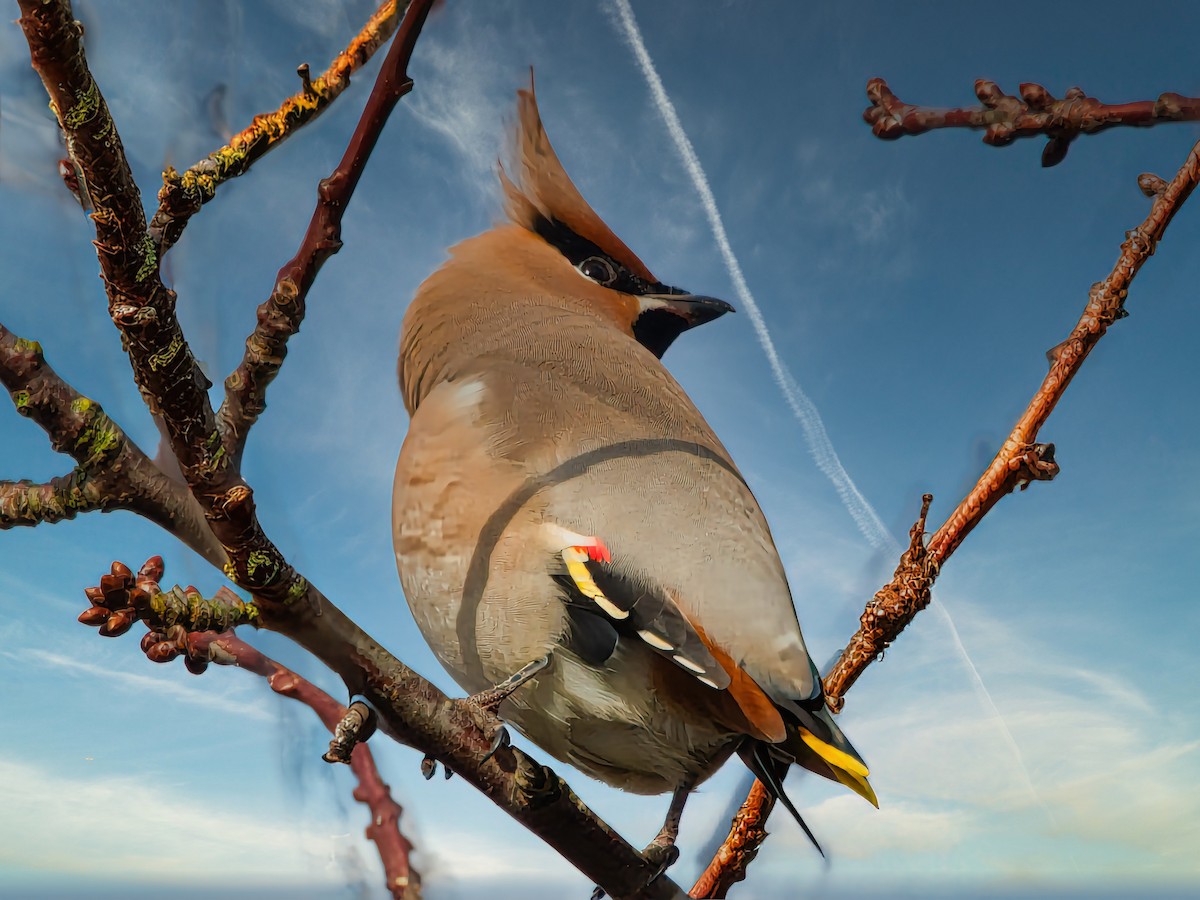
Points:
x=859, y=785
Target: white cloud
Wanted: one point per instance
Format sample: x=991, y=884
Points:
x=1104, y=763
x=850, y=830
x=466, y=97
x=162, y=832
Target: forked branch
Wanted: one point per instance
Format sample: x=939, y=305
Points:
x=454, y=732
x=115, y=602
x=1019, y=461
x=111, y=471
x=183, y=193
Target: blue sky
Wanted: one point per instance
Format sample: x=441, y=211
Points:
x=911, y=289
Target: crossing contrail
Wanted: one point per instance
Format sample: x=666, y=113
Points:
x=805, y=410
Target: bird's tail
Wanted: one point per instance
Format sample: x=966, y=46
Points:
x=768, y=767
x=815, y=742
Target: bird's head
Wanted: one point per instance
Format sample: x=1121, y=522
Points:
x=542, y=199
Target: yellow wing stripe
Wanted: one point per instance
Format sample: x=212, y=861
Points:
x=836, y=758
x=575, y=558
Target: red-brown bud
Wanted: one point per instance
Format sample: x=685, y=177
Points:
x=111, y=584
x=118, y=623
x=150, y=638
x=94, y=616
x=152, y=569
x=162, y=652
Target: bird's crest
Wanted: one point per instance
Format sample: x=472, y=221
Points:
x=540, y=195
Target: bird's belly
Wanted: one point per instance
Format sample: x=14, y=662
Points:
x=612, y=724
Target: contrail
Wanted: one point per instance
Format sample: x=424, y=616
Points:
x=805, y=410
x=860, y=510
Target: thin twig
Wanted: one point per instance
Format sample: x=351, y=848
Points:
x=403, y=882
x=1004, y=118
x=1020, y=460
x=182, y=194
x=746, y=834
x=30, y=503
x=280, y=315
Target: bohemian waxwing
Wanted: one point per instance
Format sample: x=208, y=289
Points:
x=563, y=513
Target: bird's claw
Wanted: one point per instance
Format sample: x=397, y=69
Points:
x=429, y=768
x=663, y=854
x=355, y=727
x=501, y=739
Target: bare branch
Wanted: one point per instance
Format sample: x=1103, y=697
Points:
x=412, y=710
x=144, y=310
x=182, y=194
x=394, y=848
x=280, y=316
x=111, y=472
x=28, y=503
x=733, y=857
x=1020, y=460
x=1005, y=118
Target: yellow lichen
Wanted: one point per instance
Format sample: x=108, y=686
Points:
x=297, y=589
x=160, y=359
x=149, y=258
x=259, y=559
x=87, y=105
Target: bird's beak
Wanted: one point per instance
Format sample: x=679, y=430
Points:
x=665, y=316
x=694, y=309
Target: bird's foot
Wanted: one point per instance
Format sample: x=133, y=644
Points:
x=661, y=853
x=429, y=768
x=489, y=701
x=500, y=740
x=356, y=725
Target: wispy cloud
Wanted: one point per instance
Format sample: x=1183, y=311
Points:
x=1103, y=762
x=815, y=434
x=817, y=437
x=466, y=97
x=144, y=685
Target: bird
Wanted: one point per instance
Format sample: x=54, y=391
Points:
x=571, y=535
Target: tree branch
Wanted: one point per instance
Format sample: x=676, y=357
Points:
x=394, y=848
x=746, y=834
x=28, y=503
x=1019, y=461
x=182, y=194
x=111, y=473
x=1004, y=118
x=280, y=316
x=412, y=710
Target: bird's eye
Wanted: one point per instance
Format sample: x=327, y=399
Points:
x=598, y=269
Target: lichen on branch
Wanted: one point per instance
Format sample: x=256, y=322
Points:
x=183, y=193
